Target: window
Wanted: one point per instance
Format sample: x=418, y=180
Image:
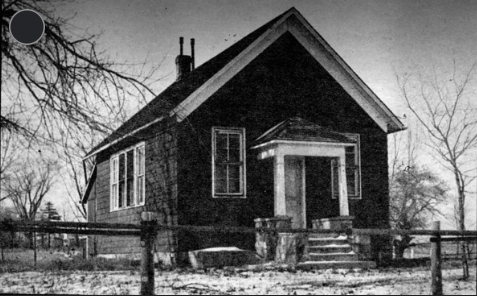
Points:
x=353, y=171
x=127, y=178
x=228, y=162
x=140, y=174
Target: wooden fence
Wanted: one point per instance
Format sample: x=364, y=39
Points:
x=148, y=229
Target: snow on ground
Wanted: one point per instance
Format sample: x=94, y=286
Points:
x=234, y=281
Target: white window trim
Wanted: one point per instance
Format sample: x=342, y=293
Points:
x=114, y=198
x=334, y=195
x=243, y=181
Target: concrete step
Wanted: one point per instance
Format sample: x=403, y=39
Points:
x=333, y=248
x=327, y=241
x=351, y=256
x=309, y=265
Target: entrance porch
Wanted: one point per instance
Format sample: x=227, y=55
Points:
x=294, y=145
x=290, y=144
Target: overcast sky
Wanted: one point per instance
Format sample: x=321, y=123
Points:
x=376, y=38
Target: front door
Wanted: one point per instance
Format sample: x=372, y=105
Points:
x=319, y=202
x=294, y=190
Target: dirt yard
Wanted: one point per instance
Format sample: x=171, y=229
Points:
x=409, y=281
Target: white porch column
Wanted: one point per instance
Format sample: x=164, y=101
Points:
x=279, y=184
x=343, y=188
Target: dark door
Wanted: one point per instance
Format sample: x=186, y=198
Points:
x=319, y=203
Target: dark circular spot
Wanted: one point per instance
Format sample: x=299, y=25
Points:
x=27, y=26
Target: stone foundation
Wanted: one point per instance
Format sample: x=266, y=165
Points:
x=266, y=241
x=291, y=248
x=361, y=244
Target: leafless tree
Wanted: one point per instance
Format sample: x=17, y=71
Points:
x=74, y=178
x=416, y=194
x=62, y=91
x=27, y=187
x=8, y=156
x=62, y=83
x=446, y=107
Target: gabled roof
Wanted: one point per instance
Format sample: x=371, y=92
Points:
x=298, y=129
x=184, y=96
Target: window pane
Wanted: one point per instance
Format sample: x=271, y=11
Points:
x=129, y=177
x=221, y=156
x=140, y=160
x=121, y=194
x=350, y=157
x=234, y=155
x=220, y=171
x=351, y=181
x=140, y=189
x=221, y=141
x=234, y=172
x=130, y=192
x=114, y=195
x=130, y=164
x=234, y=141
x=122, y=166
x=114, y=171
x=220, y=186
x=234, y=186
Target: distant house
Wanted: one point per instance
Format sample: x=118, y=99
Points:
x=276, y=124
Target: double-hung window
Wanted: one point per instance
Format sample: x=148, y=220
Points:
x=353, y=170
x=127, y=178
x=228, y=162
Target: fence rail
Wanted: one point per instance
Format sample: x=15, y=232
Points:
x=135, y=229
x=454, y=239
x=148, y=229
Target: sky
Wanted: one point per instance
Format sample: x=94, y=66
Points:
x=377, y=39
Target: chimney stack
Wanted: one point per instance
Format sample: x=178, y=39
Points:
x=181, y=44
x=183, y=62
x=192, y=43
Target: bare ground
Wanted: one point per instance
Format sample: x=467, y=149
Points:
x=411, y=281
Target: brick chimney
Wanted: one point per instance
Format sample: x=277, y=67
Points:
x=184, y=63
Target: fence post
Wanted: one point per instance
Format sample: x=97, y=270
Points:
x=34, y=250
x=148, y=234
x=436, y=272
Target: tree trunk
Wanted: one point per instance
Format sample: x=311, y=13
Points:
x=465, y=263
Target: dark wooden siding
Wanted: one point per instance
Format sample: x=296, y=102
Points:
x=160, y=187
x=283, y=82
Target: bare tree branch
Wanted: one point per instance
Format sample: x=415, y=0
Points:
x=63, y=80
x=446, y=108
x=28, y=186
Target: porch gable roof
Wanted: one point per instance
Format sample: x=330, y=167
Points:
x=298, y=129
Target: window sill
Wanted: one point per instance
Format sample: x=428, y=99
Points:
x=229, y=196
x=126, y=208
x=349, y=197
